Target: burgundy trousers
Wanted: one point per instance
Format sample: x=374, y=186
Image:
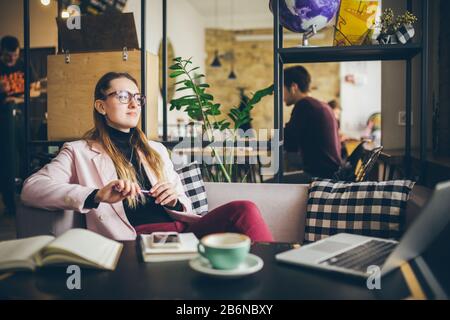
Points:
x=236, y=216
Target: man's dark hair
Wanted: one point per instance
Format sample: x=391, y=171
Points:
x=298, y=75
x=9, y=44
x=334, y=104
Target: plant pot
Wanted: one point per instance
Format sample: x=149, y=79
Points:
x=405, y=33
x=387, y=39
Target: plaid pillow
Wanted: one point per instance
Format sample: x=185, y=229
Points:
x=405, y=33
x=368, y=208
x=191, y=178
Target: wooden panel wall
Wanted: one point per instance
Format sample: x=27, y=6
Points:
x=71, y=90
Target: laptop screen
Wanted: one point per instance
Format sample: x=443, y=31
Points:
x=437, y=257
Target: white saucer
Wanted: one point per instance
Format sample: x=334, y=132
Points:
x=250, y=265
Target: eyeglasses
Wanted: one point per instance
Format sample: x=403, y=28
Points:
x=125, y=97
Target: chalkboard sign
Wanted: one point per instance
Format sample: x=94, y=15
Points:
x=95, y=7
x=104, y=32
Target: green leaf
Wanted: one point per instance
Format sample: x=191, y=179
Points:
x=189, y=96
x=203, y=85
x=233, y=117
x=177, y=59
x=207, y=96
x=196, y=68
x=225, y=126
x=183, y=101
x=172, y=107
x=212, y=112
x=195, y=114
x=180, y=82
x=183, y=88
x=216, y=125
x=189, y=84
x=235, y=112
x=175, y=67
x=221, y=125
x=176, y=74
x=261, y=94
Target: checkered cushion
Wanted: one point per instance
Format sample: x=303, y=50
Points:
x=192, y=180
x=368, y=208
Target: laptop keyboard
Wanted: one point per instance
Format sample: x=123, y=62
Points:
x=373, y=252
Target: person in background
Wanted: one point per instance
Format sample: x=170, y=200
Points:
x=336, y=107
x=12, y=120
x=12, y=72
x=373, y=129
x=312, y=129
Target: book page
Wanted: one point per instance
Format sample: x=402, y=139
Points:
x=81, y=244
x=20, y=253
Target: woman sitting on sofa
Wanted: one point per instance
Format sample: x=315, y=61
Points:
x=103, y=176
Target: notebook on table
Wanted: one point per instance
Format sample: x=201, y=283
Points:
x=76, y=246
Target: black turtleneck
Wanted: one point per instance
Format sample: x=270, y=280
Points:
x=150, y=212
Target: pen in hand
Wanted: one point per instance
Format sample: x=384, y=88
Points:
x=142, y=191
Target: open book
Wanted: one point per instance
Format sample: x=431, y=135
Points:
x=186, y=251
x=76, y=246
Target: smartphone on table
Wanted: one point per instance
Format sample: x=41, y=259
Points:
x=165, y=240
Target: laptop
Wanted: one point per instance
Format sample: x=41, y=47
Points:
x=354, y=254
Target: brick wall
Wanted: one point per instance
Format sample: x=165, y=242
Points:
x=254, y=70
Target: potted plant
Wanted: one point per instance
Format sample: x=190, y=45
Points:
x=405, y=31
x=200, y=106
x=395, y=29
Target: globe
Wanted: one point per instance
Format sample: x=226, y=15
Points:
x=300, y=15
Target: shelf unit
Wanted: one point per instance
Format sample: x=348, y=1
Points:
x=284, y=56
x=350, y=53
x=356, y=53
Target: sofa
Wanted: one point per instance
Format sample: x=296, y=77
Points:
x=283, y=207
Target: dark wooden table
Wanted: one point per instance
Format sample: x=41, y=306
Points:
x=134, y=279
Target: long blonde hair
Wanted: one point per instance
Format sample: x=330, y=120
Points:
x=138, y=140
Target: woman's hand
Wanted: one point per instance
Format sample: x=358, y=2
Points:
x=116, y=191
x=164, y=194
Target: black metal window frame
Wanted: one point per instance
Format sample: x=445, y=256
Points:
x=358, y=53
x=280, y=57
x=26, y=24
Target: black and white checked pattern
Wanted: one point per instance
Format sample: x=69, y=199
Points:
x=368, y=208
x=405, y=33
x=194, y=187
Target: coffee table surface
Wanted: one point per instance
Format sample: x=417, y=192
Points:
x=134, y=279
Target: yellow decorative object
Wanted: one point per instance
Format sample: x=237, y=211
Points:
x=354, y=22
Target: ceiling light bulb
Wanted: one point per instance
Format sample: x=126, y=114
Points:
x=45, y=2
x=65, y=14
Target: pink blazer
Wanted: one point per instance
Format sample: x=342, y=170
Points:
x=79, y=169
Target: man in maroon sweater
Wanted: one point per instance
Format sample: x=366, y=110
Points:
x=312, y=129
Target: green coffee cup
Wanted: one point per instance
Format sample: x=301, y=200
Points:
x=224, y=250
